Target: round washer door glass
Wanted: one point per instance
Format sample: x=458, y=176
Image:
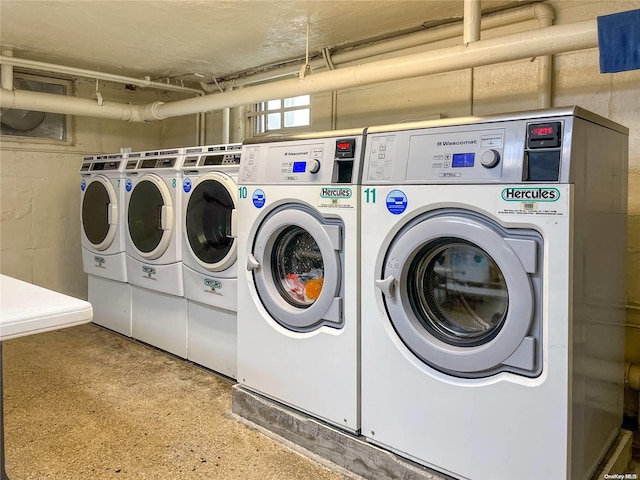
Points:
x=458, y=292
x=298, y=268
x=208, y=222
x=145, y=216
x=95, y=212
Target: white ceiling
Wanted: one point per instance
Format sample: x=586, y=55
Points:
x=215, y=38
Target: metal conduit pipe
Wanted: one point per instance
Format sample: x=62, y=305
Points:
x=545, y=41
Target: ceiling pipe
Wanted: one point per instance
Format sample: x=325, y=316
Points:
x=80, y=72
x=6, y=72
x=545, y=41
x=471, y=21
x=544, y=14
x=390, y=46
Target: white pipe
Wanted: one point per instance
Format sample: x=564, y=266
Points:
x=80, y=72
x=544, y=14
x=632, y=376
x=226, y=122
x=6, y=72
x=550, y=40
x=46, y=102
x=545, y=41
x=471, y=21
x=416, y=39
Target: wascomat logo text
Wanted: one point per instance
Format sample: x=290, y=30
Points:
x=530, y=194
x=335, y=192
x=452, y=143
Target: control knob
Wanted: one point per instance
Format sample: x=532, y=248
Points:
x=489, y=158
x=314, y=165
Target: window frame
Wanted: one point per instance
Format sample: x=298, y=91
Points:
x=260, y=112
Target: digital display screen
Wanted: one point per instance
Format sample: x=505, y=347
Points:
x=299, y=167
x=541, y=131
x=543, y=135
x=151, y=163
x=463, y=160
x=345, y=148
x=213, y=160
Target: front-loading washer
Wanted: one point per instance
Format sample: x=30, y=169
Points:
x=298, y=321
x=494, y=283
x=209, y=203
x=154, y=248
x=103, y=240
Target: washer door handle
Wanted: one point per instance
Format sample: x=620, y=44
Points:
x=252, y=263
x=112, y=214
x=388, y=285
x=234, y=224
x=166, y=217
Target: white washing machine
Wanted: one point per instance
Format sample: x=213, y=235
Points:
x=298, y=322
x=209, y=252
x=103, y=240
x=494, y=283
x=154, y=248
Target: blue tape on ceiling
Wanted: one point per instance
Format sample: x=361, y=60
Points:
x=619, y=41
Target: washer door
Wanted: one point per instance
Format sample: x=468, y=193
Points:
x=297, y=268
x=100, y=212
x=458, y=292
x=210, y=221
x=150, y=216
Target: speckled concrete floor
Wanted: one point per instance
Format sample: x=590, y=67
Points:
x=85, y=403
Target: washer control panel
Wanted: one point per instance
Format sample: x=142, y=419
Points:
x=305, y=161
x=452, y=156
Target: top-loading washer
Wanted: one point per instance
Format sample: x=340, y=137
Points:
x=209, y=204
x=494, y=284
x=298, y=321
x=154, y=248
x=103, y=239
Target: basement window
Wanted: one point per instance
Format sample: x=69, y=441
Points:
x=282, y=114
x=32, y=124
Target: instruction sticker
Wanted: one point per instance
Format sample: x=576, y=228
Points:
x=128, y=185
x=259, y=198
x=396, y=202
x=186, y=185
x=83, y=184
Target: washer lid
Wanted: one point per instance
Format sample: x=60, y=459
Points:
x=210, y=221
x=150, y=216
x=458, y=293
x=99, y=211
x=297, y=268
